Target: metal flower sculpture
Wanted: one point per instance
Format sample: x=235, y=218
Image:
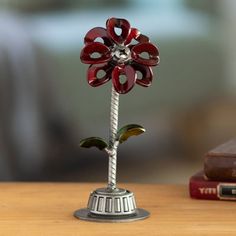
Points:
x=119, y=56
x=122, y=54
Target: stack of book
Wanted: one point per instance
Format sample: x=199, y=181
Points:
x=218, y=179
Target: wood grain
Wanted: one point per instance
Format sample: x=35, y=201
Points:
x=45, y=209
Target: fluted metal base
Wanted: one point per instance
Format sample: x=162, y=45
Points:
x=107, y=205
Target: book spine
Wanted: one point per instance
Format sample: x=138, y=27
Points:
x=220, y=168
x=203, y=190
x=212, y=190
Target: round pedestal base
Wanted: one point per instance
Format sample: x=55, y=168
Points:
x=111, y=205
x=84, y=214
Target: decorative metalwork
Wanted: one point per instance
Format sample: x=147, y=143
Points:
x=118, y=56
x=113, y=143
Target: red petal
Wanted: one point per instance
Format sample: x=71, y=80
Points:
x=151, y=49
x=130, y=74
x=146, y=72
x=143, y=39
x=89, y=49
x=134, y=33
x=123, y=24
x=97, y=32
x=92, y=73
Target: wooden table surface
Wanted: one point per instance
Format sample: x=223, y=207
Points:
x=32, y=209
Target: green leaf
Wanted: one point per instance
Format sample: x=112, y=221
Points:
x=93, y=142
x=129, y=130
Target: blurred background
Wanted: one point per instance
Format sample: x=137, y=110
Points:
x=46, y=105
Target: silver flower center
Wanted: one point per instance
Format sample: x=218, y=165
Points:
x=121, y=54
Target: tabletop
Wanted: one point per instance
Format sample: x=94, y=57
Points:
x=46, y=209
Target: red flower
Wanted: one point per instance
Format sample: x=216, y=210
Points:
x=119, y=56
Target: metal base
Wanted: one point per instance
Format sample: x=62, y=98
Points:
x=84, y=214
x=117, y=202
x=111, y=205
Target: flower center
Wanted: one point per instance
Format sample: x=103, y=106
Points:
x=121, y=54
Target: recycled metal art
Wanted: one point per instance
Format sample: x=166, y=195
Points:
x=120, y=54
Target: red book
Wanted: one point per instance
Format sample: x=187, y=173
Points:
x=202, y=188
x=220, y=162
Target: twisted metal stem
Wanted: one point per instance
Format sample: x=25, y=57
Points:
x=113, y=144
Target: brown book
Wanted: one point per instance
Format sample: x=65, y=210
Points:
x=220, y=162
